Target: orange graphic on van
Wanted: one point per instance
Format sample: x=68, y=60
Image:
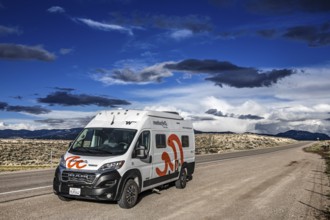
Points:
x=74, y=161
x=172, y=139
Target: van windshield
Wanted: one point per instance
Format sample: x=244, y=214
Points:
x=103, y=141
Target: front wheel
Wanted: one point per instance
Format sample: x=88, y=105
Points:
x=182, y=181
x=129, y=195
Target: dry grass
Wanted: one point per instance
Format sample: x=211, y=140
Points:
x=25, y=152
x=220, y=143
x=323, y=148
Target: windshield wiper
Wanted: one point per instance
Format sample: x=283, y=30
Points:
x=83, y=149
x=91, y=150
x=104, y=150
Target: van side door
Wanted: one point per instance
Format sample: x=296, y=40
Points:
x=163, y=159
x=143, y=164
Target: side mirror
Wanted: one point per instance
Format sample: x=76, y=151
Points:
x=141, y=152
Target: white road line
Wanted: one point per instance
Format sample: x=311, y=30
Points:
x=23, y=190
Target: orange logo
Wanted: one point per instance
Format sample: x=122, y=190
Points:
x=166, y=157
x=74, y=161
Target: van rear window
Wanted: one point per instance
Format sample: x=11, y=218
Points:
x=160, y=140
x=185, y=141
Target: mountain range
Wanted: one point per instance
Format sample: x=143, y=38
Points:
x=70, y=134
x=55, y=134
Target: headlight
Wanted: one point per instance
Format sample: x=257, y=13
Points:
x=112, y=166
x=62, y=162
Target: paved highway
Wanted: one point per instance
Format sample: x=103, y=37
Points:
x=285, y=183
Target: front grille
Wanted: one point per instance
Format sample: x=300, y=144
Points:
x=81, y=177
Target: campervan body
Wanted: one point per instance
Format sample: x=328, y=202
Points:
x=121, y=153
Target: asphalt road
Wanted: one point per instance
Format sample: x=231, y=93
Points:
x=284, y=184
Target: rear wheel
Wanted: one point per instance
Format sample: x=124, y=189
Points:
x=182, y=181
x=129, y=195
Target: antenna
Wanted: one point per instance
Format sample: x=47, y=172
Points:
x=113, y=120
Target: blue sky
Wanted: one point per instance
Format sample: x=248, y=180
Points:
x=244, y=66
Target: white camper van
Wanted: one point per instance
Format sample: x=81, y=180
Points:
x=121, y=153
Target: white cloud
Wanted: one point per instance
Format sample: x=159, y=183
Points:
x=104, y=26
x=56, y=9
x=273, y=127
x=313, y=85
x=4, y=30
x=224, y=125
x=299, y=102
x=66, y=119
x=181, y=34
x=65, y=51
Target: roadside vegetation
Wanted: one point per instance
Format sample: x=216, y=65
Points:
x=323, y=148
x=26, y=154
x=223, y=143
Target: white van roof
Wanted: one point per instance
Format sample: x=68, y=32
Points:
x=128, y=118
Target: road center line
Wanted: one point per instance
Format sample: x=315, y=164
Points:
x=23, y=190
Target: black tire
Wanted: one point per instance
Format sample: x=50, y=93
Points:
x=66, y=199
x=129, y=195
x=182, y=181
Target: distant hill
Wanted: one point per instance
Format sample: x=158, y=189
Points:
x=55, y=134
x=293, y=134
x=303, y=135
x=71, y=134
x=213, y=132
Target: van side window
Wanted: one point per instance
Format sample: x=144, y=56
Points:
x=185, y=140
x=160, y=140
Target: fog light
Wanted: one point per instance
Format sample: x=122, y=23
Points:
x=109, y=196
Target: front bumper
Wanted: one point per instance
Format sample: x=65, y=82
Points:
x=104, y=186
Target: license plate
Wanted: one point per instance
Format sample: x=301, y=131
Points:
x=75, y=191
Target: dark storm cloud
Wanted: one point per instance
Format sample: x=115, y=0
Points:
x=36, y=110
x=23, y=52
x=17, y=97
x=226, y=73
x=219, y=72
x=149, y=74
x=9, y=30
x=249, y=78
x=127, y=75
x=202, y=66
x=215, y=112
x=287, y=6
x=67, y=99
x=3, y=105
x=251, y=117
x=313, y=35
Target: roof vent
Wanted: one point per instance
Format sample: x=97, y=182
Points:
x=175, y=113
